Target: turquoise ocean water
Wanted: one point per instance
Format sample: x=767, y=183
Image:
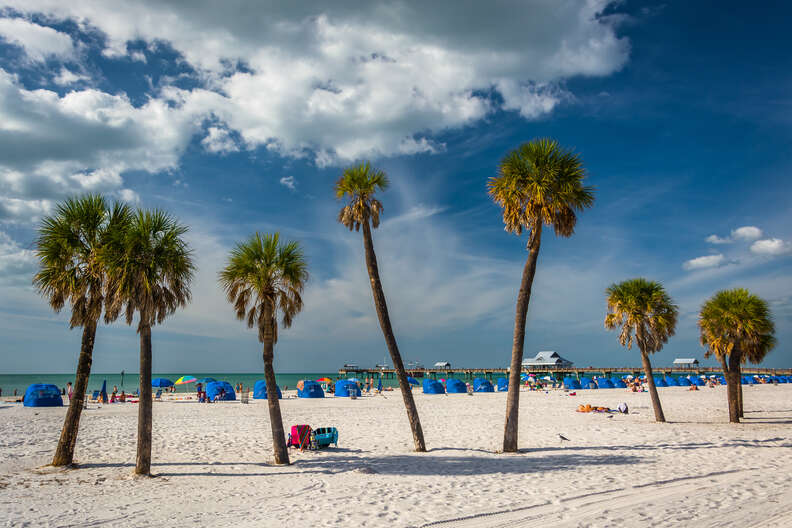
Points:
x=10, y=382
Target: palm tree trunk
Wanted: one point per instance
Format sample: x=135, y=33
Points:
x=143, y=462
x=390, y=339
x=647, y=365
x=740, y=410
x=518, y=343
x=64, y=453
x=733, y=386
x=276, y=420
x=731, y=391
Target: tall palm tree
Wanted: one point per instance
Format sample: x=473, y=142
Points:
x=69, y=248
x=264, y=279
x=150, y=269
x=647, y=316
x=358, y=184
x=539, y=183
x=736, y=326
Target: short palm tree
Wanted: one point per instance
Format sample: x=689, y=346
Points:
x=264, y=279
x=150, y=268
x=736, y=326
x=69, y=248
x=539, y=183
x=358, y=184
x=646, y=316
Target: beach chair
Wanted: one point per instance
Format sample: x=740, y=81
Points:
x=95, y=395
x=324, y=436
x=300, y=437
x=158, y=395
x=243, y=396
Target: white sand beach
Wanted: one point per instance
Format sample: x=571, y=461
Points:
x=211, y=464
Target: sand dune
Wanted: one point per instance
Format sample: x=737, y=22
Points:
x=211, y=463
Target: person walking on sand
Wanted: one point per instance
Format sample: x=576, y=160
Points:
x=69, y=390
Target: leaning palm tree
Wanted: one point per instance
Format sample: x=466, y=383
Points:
x=264, y=279
x=736, y=326
x=358, y=184
x=69, y=246
x=150, y=268
x=539, y=183
x=647, y=317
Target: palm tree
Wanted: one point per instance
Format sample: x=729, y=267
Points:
x=647, y=316
x=69, y=247
x=150, y=268
x=736, y=326
x=264, y=278
x=539, y=183
x=358, y=184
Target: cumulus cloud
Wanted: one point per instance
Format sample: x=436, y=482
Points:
x=771, y=246
x=741, y=233
x=366, y=79
x=707, y=261
x=66, y=77
x=38, y=42
x=219, y=141
x=746, y=233
x=16, y=263
x=715, y=239
x=53, y=146
x=290, y=182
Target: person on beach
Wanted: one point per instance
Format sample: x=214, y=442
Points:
x=69, y=390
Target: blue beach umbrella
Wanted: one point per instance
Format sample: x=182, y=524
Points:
x=206, y=380
x=412, y=381
x=161, y=382
x=379, y=385
x=103, y=392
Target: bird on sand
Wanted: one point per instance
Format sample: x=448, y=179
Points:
x=563, y=438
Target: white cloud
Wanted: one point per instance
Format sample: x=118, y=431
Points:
x=771, y=246
x=128, y=195
x=219, y=141
x=14, y=210
x=16, y=263
x=365, y=79
x=746, y=233
x=290, y=182
x=67, y=77
x=38, y=42
x=715, y=239
x=53, y=146
x=707, y=261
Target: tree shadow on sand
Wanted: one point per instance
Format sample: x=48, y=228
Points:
x=770, y=442
x=425, y=464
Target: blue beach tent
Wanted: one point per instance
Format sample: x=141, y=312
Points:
x=684, y=382
x=214, y=387
x=311, y=389
x=260, y=390
x=587, y=383
x=503, y=384
x=571, y=383
x=484, y=385
x=43, y=395
x=161, y=382
x=412, y=381
x=605, y=383
x=660, y=382
x=455, y=386
x=346, y=388
x=618, y=383
x=479, y=381
x=431, y=386
x=671, y=382
x=699, y=382
x=782, y=379
x=747, y=380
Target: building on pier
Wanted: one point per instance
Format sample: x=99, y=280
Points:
x=546, y=358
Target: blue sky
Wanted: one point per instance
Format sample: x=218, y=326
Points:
x=240, y=117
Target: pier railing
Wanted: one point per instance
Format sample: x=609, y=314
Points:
x=470, y=373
